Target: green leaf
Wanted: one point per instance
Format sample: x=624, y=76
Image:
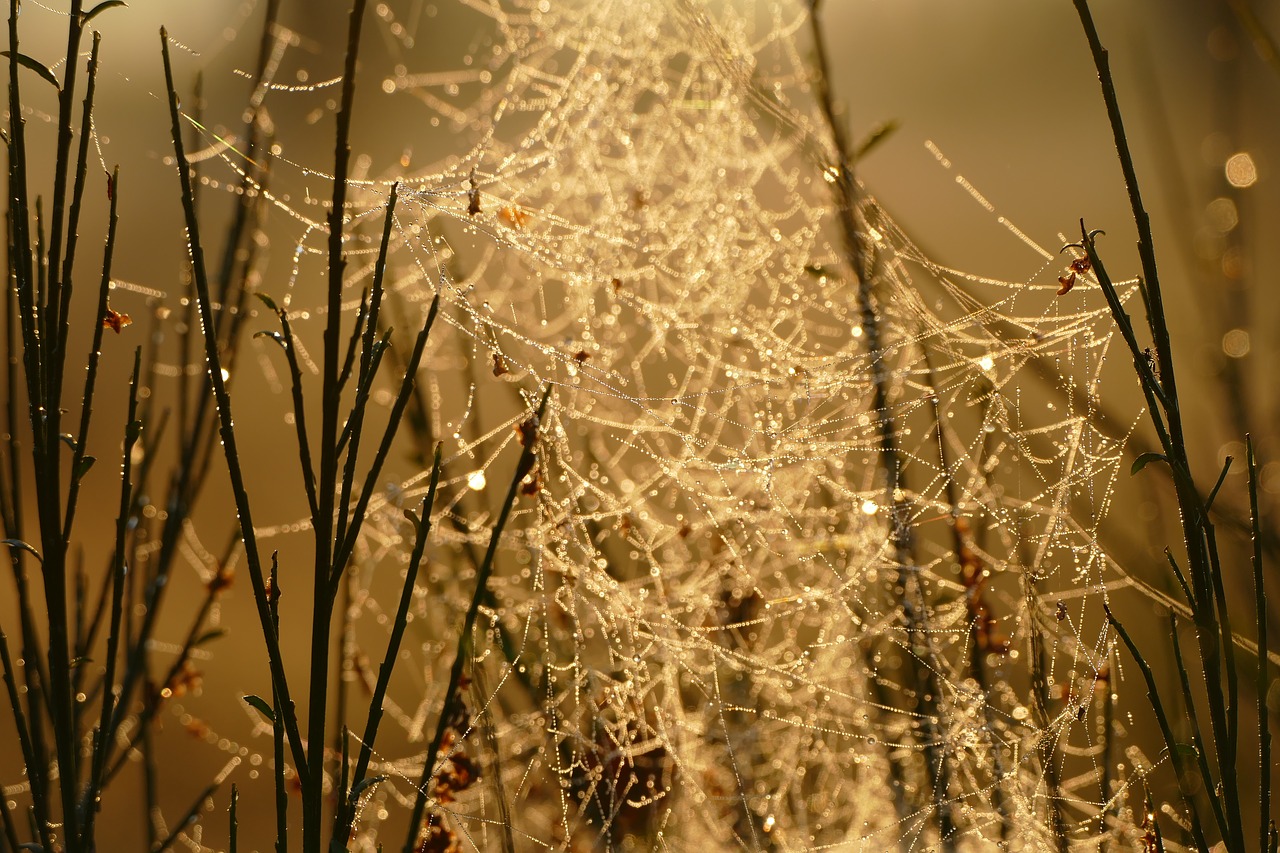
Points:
x=86, y=17
x=413, y=519
x=275, y=336
x=260, y=705
x=22, y=546
x=69, y=440
x=208, y=637
x=365, y=784
x=37, y=67
x=1141, y=461
x=79, y=661
x=85, y=464
x=267, y=300
x=878, y=134
x=1208, y=504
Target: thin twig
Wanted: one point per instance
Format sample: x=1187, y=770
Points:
x=1175, y=754
x=1263, y=685
x=188, y=820
x=39, y=794
x=277, y=731
x=861, y=263
x=234, y=825
x=973, y=578
x=523, y=466
x=369, y=360
x=347, y=812
x=132, y=431
x=227, y=428
x=407, y=384
x=1197, y=739
x=325, y=564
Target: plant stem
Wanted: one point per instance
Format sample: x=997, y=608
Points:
x=908, y=587
x=1158, y=382
x=1263, y=685
x=277, y=731
x=1175, y=754
x=234, y=841
x=523, y=466
x=226, y=422
x=132, y=430
x=348, y=803
x=39, y=792
x=325, y=564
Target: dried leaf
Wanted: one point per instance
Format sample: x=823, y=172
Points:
x=115, y=320
x=513, y=216
x=473, y=195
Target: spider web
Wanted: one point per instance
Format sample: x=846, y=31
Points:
x=700, y=634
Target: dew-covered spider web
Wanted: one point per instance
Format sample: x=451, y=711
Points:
x=714, y=622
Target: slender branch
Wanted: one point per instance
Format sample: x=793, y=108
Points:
x=58, y=298
x=132, y=431
x=407, y=385
x=1146, y=245
x=10, y=830
x=1263, y=685
x=973, y=577
x=1158, y=380
x=188, y=820
x=1171, y=743
x=39, y=796
x=95, y=355
x=287, y=343
x=368, y=367
x=861, y=262
x=523, y=467
x=77, y=196
x=347, y=812
x=1040, y=705
x=325, y=565
x=349, y=360
x=1202, y=755
x=234, y=825
x=277, y=731
x=226, y=428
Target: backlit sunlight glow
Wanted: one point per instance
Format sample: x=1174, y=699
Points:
x=700, y=635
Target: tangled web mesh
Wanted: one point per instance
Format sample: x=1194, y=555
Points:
x=716, y=622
